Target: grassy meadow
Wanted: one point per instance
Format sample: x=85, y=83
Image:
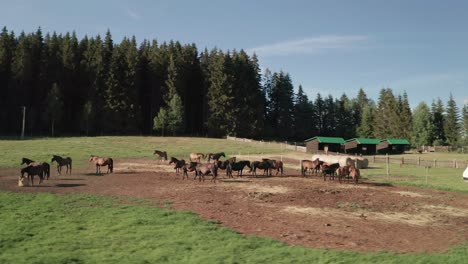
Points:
x=80, y=148
x=48, y=228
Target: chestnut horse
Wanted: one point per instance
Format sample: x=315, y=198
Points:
x=102, y=162
x=310, y=165
x=162, y=154
x=196, y=157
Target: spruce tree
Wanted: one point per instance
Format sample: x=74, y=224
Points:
x=465, y=123
x=405, y=118
x=303, y=112
x=366, y=127
x=54, y=108
x=438, y=120
x=452, y=122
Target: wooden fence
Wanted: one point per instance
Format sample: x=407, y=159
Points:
x=284, y=144
x=434, y=163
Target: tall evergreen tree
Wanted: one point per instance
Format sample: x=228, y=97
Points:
x=452, y=122
x=465, y=123
x=405, y=118
x=366, y=127
x=386, y=120
x=54, y=108
x=438, y=120
x=303, y=112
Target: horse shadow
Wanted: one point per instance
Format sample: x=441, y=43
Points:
x=233, y=181
x=93, y=174
x=66, y=185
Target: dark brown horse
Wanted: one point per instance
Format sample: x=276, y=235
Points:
x=45, y=166
x=276, y=165
x=307, y=165
x=239, y=167
x=34, y=168
x=196, y=157
x=216, y=156
x=329, y=169
x=62, y=162
x=355, y=174
x=162, y=154
x=178, y=164
x=206, y=169
x=266, y=165
x=99, y=161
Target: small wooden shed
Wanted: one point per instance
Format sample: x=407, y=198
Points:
x=392, y=146
x=324, y=144
x=364, y=146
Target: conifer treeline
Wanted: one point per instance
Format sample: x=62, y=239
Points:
x=94, y=86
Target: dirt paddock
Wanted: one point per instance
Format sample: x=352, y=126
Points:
x=296, y=210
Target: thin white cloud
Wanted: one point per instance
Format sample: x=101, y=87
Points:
x=133, y=15
x=308, y=45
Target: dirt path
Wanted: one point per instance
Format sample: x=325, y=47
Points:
x=296, y=210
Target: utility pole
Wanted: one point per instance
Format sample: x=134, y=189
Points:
x=24, y=121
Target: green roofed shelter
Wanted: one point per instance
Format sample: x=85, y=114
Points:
x=364, y=146
x=324, y=144
x=392, y=146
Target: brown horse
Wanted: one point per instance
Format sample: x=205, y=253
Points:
x=178, y=164
x=355, y=174
x=162, y=154
x=342, y=172
x=196, y=157
x=99, y=161
x=205, y=169
x=45, y=166
x=310, y=165
x=189, y=167
x=266, y=165
x=34, y=168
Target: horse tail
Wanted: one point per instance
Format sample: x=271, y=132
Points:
x=111, y=165
x=70, y=165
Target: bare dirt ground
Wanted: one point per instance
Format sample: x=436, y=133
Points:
x=296, y=210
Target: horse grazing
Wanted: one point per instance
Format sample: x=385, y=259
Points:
x=162, y=154
x=34, y=168
x=310, y=165
x=99, y=161
x=216, y=156
x=329, y=169
x=239, y=167
x=178, y=164
x=45, y=166
x=196, y=157
x=204, y=169
x=62, y=162
x=266, y=165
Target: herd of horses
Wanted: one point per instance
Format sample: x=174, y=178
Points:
x=213, y=164
x=210, y=167
x=42, y=169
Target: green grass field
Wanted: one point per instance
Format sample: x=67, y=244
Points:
x=80, y=148
x=47, y=228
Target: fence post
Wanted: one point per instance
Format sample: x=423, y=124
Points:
x=374, y=158
x=419, y=161
x=435, y=163
x=388, y=168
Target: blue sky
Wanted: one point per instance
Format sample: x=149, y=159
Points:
x=331, y=47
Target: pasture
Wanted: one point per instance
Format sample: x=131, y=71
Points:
x=144, y=212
